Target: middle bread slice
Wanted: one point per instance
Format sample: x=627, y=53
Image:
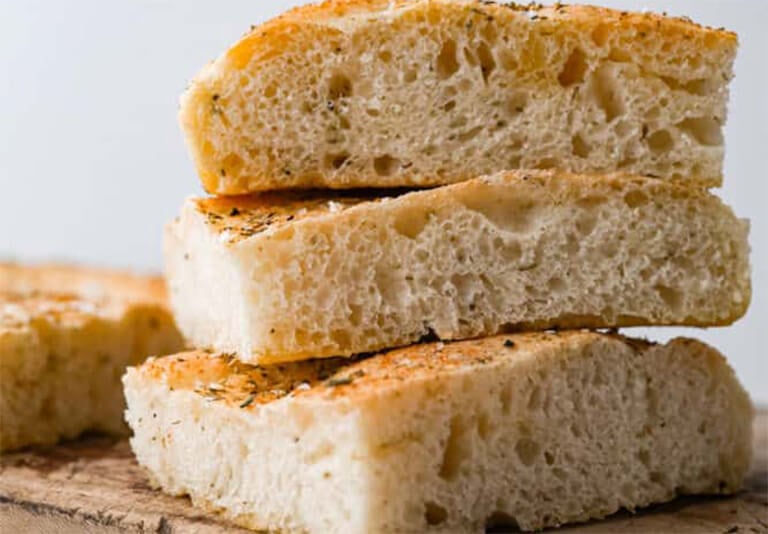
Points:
x=291, y=276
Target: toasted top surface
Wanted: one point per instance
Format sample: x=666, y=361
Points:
x=241, y=217
x=264, y=40
x=85, y=282
x=222, y=378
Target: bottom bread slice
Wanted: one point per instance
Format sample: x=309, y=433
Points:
x=531, y=430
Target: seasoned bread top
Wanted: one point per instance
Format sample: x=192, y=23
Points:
x=235, y=219
x=222, y=378
x=348, y=13
x=85, y=282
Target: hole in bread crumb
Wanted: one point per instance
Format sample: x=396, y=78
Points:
x=705, y=130
x=619, y=55
x=270, y=90
x=658, y=477
x=574, y=69
x=644, y=456
x=527, y=451
x=336, y=161
x=601, y=34
x=455, y=451
x=340, y=86
x=487, y=62
x=516, y=104
x=447, y=65
x=660, y=141
x=549, y=457
x=341, y=338
x=671, y=297
x=635, y=199
x=411, y=224
x=411, y=76
x=386, y=165
x=556, y=285
x=586, y=223
x=469, y=134
x=699, y=87
x=499, y=518
x=546, y=163
x=579, y=147
x=606, y=93
x=231, y=165
x=385, y=56
x=448, y=106
x=435, y=514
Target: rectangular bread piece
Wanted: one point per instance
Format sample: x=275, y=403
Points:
x=62, y=355
x=281, y=277
x=532, y=430
x=382, y=93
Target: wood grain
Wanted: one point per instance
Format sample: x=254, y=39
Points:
x=95, y=486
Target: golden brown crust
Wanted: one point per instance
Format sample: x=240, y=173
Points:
x=220, y=377
x=88, y=282
x=264, y=41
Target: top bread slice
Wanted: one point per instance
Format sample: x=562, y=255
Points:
x=389, y=93
x=290, y=276
x=66, y=336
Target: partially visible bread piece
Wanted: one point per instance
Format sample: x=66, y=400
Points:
x=62, y=356
x=535, y=430
x=387, y=93
x=293, y=276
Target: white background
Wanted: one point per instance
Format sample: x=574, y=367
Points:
x=92, y=162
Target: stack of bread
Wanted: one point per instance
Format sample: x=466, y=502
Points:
x=413, y=203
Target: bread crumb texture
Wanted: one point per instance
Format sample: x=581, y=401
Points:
x=373, y=93
x=528, y=430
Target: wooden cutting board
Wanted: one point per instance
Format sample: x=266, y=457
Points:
x=94, y=485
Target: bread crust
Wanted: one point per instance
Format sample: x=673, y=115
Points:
x=299, y=31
